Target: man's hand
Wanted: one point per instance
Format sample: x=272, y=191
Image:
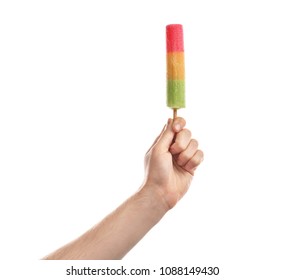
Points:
x=170, y=165
x=171, y=161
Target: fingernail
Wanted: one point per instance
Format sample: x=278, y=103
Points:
x=177, y=126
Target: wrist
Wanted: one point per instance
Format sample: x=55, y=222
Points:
x=154, y=199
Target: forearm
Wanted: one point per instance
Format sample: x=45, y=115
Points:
x=119, y=232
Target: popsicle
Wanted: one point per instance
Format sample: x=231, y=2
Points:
x=175, y=68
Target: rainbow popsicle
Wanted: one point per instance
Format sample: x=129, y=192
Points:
x=175, y=67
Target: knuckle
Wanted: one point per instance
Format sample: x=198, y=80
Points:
x=180, y=144
x=198, y=157
x=201, y=155
x=194, y=142
x=188, y=132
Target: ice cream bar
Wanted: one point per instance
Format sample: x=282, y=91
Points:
x=175, y=67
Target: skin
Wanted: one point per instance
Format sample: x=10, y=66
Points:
x=170, y=164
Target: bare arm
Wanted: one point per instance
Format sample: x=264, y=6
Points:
x=115, y=235
x=169, y=169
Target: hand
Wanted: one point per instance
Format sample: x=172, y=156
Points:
x=170, y=164
x=171, y=161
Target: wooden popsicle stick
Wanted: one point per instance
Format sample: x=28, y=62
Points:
x=175, y=113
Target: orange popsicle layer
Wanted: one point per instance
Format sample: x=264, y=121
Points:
x=175, y=66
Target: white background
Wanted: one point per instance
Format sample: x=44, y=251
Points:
x=82, y=97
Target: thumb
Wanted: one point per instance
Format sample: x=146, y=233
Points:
x=166, y=138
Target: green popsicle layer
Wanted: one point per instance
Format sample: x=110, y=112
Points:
x=175, y=94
